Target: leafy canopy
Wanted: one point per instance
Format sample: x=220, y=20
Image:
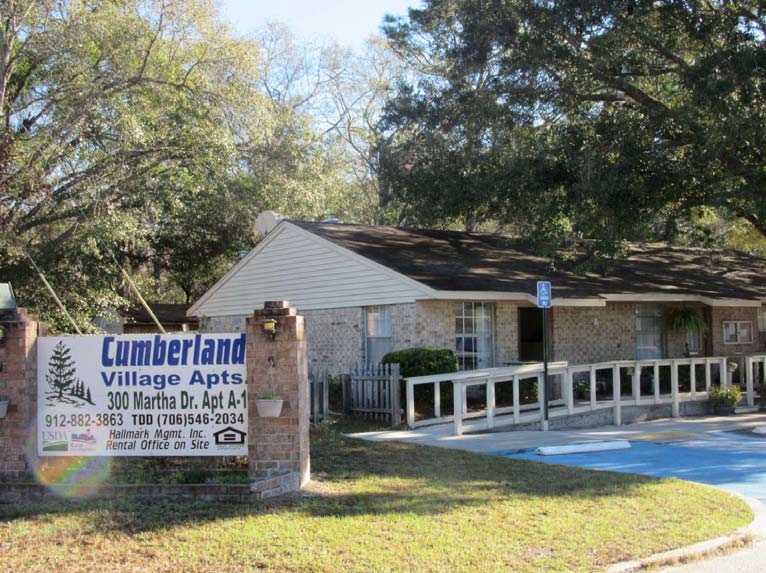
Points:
x=611, y=119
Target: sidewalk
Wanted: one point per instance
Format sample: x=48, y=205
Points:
x=665, y=430
x=698, y=431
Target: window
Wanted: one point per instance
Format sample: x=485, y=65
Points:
x=377, y=333
x=474, y=334
x=694, y=342
x=650, y=332
x=762, y=319
x=737, y=332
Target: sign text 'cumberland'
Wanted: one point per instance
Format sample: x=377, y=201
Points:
x=142, y=395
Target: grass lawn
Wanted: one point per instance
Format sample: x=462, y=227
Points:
x=383, y=507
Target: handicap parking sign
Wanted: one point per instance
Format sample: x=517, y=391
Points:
x=543, y=294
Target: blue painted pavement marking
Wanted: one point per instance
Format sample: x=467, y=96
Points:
x=727, y=460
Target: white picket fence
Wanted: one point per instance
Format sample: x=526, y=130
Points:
x=577, y=389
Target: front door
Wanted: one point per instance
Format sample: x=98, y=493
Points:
x=530, y=334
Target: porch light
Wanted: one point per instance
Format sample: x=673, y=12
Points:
x=2, y=335
x=270, y=327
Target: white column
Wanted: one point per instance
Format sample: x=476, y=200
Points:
x=617, y=395
x=457, y=396
x=490, y=404
x=674, y=388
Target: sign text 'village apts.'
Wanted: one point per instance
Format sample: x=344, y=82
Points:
x=142, y=395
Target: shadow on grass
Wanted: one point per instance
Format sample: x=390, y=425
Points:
x=355, y=477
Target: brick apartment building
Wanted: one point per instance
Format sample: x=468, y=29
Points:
x=366, y=290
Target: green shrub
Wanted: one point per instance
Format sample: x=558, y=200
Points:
x=729, y=396
x=422, y=361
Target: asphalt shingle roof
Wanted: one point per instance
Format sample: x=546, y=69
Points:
x=459, y=261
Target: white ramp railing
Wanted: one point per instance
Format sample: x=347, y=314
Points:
x=574, y=389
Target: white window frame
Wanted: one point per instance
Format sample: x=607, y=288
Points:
x=482, y=341
x=377, y=327
x=762, y=318
x=732, y=331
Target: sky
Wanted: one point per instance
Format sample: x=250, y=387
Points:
x=349, y=22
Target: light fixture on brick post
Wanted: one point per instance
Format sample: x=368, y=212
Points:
x=270, y=327
x=2, y=335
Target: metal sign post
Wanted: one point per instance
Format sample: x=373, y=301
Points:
x=544, y=302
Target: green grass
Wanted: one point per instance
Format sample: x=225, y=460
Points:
x=383, y=507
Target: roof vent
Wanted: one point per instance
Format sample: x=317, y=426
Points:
x=330, y=220
x=266, y=221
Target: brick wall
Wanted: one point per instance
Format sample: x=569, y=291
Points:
x=435, y=324
x=594, y=334
x=222, y=323
x=506, y=333
x=404, y=320
x=579, y=334
x=335, y=338
x=278, y=446
x=721, y=314
x=18, y=384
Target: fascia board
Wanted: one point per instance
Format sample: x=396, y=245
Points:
x=515, y=297
x=480, y=295
x=730, y=302
x=665, y=297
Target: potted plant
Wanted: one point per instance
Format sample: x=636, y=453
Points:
x=269, y=405
x=3, y=406
x=724, y=400
x=685, y=320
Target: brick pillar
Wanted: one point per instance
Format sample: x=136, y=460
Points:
x=18, y=385
x=278, y=447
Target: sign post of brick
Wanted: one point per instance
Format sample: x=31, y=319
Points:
x=278, y=446
x=277, y=365
x=18, y=385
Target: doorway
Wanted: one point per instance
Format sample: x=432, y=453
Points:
x=530, y=334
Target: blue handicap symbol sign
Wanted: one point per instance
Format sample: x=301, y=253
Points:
x=543, y=294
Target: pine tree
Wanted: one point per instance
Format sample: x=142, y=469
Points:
x=61, y=370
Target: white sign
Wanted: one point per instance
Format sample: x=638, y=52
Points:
x=142, y=395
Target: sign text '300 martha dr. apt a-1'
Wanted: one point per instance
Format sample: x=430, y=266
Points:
x=142, y=395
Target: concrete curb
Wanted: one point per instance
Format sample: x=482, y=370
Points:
x=754, y=531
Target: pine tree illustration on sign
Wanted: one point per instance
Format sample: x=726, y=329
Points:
x=62, y=378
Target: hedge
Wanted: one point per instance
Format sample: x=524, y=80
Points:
x=422, y=361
